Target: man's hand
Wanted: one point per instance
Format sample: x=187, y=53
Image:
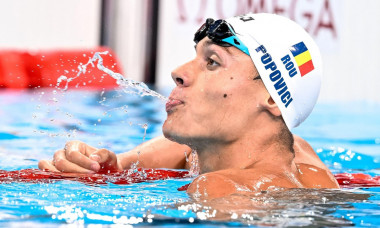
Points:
x=78, y=157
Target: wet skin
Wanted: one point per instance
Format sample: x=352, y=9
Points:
x=219, y=110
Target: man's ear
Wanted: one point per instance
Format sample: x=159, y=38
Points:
x=271, y=106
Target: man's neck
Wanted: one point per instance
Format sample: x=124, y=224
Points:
x=263, y=150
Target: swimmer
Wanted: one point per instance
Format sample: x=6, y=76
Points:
x=254, y=78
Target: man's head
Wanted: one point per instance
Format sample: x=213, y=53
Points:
x=219, y=95
x=287, y=59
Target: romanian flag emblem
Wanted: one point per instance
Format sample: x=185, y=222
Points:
x=303, y=58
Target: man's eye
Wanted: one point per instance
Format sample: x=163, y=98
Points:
x=211, y=62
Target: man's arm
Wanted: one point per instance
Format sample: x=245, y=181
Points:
x=157, y=153
x=79, y=157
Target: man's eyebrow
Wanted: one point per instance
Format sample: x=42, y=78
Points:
x=205, y=44
x=210, y=42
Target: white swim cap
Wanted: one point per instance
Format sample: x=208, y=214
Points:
x=287, y=59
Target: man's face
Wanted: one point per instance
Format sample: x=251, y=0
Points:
x=216, y=97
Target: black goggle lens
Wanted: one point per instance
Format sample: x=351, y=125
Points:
x=203, y=30
x=221, y=33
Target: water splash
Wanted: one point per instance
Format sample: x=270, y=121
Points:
x=186, y=157
x=127, y=85
x=145, y=127
x=194, y=168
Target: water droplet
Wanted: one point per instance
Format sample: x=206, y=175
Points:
x=234, y=216
x=187, y=159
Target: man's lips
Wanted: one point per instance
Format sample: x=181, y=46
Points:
x=172, y=103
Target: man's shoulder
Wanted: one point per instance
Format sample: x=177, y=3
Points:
x=315, y=177
x=301, y=143
x=212, y=185
x=305, y=154
x=229, y=181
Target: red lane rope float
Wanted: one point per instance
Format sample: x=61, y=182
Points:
x=357, y=180
x=124, y=177
x=143, y=175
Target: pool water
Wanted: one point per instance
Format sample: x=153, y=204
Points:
x=35, y=123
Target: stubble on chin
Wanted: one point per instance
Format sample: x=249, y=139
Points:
x=168, y=131
x=172, y=135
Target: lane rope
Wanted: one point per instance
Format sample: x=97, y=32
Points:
x=345, y=180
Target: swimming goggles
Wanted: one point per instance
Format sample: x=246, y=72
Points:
x=221, y=33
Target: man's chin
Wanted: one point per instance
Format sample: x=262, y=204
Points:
x=169, y=134
x=174, y=136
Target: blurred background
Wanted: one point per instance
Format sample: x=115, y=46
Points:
x=152, y=37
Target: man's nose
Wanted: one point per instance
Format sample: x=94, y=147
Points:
x=181, y=75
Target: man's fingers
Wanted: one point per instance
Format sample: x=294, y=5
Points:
x=45, y=164
x=64, y=165
x=106, y=159
x=79, y=146
x=82, y=160
x=74, y=158
x=78, y=157
x=87, y=149
x=103, y=155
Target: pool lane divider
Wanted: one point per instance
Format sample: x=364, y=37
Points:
x=122, y=178
x=345, y=180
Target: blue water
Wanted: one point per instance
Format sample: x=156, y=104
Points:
x=37, y=122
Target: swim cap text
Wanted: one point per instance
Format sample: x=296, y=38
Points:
x=289, y=65
x=275, y=76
